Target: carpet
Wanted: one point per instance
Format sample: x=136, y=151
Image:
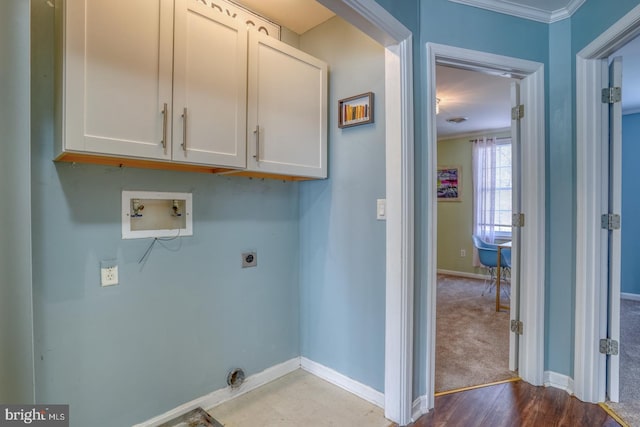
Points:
x=472, y=339
x=629, y=406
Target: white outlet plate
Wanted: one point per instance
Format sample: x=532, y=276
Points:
x=109, y=276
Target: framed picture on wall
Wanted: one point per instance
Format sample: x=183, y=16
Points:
x=355, y=110
x=449, y=182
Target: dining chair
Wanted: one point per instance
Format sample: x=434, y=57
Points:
x=488, y=255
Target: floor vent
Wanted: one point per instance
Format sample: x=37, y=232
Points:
x=235, y=378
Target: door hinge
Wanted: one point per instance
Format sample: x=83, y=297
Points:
x=516, y=326
x=517, y=220
x=611, y=95
x=609, y=347
x=610, y=221
x=517, y=112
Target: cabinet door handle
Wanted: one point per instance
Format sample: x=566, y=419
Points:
x=164, y=127
x=257, y=133
x=184, y=129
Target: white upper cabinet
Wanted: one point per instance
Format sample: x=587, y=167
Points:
x=122, y=61
x=179, y=82
x=210, y=81
x=118, y=57
x=287, y=110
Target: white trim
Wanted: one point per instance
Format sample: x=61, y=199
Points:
x=222, y=395
x=349, y=384
x=419, y=408
x=399, y=234
x=531, y=344
x=463, y=274
x=591, y=302
x=560, y=381
x=630, y=296
x=379, y=24
x=525, y=11
x=533, y=235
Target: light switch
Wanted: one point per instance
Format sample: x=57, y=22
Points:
x=381, y=209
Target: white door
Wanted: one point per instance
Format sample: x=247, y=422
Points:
x=287, y=109
x=516, y=208
x=210, y=78
x=614, y=236
x=118, y=60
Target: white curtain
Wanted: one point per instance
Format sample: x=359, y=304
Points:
x=484, y=195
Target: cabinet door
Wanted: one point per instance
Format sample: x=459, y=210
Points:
x=287, y=110
x=210, y=75
x=117, y=77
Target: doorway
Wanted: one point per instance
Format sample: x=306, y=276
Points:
x=595, y=373
x=474, y=152
x=614, y=367
x=528, y=351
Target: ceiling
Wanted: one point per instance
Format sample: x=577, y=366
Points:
x=302, y=15
x=484, y=99
x=297, y=15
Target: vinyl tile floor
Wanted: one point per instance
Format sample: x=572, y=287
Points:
x=299, y=399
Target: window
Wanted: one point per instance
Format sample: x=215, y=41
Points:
x=492, y=188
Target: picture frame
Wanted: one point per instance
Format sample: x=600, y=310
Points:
x=355, y=110
x=449, y=184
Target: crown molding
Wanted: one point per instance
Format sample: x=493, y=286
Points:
x=525, y=11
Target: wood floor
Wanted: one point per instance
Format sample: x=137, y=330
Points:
x=514, y=404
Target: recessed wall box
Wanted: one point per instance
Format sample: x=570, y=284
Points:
x=156, y=214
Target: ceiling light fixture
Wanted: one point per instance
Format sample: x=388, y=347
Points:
x=457, y=120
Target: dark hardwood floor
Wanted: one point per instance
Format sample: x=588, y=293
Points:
x=514, y=404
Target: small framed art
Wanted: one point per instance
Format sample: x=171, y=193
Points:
x=449, y=181
x=355, y=110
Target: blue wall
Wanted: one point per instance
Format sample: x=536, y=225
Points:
x=174, y=326
x=342, y=245
x=16, y=321
x=630, y=273
x=560, y=188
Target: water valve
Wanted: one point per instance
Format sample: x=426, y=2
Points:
x=176, y=208
x=136, y=207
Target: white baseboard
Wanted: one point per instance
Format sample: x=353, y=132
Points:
x=556, y=380
x=363, y=391
x=629, y=296
x=419, y=408
x=463, y=274
x=224, y=394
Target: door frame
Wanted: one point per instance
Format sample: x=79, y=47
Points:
x=531, y=345
x=591, y=317
x=380, y=25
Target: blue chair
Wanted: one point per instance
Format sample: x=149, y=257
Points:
x=488, y=254
x=505, y=269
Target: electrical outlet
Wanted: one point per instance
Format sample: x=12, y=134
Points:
x=108, y=273
x=463, y=253
x=249, y=259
